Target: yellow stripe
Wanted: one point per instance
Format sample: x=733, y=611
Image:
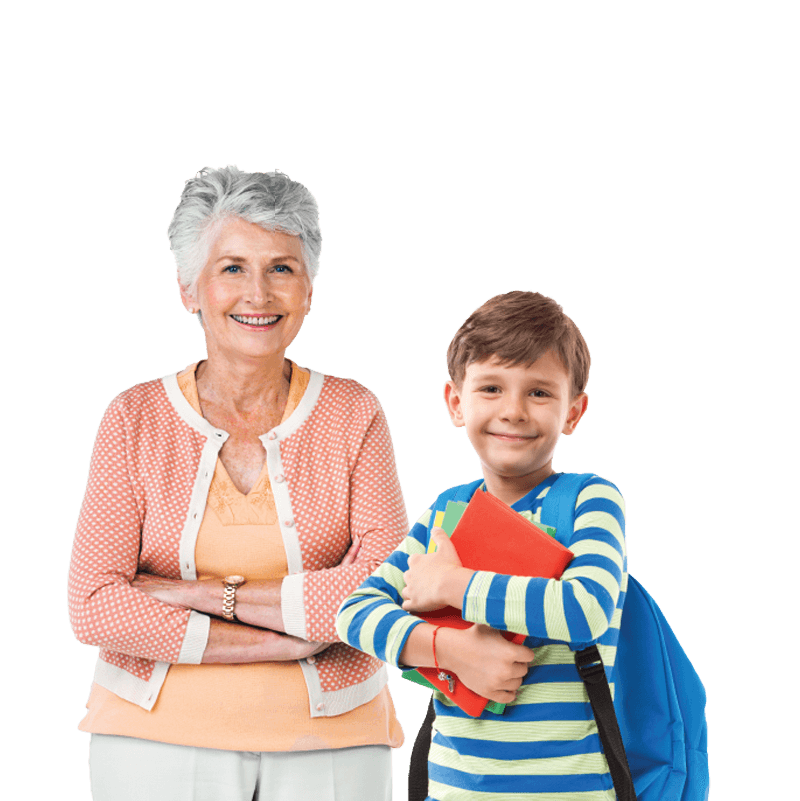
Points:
x=437, y=790
x=595, y=547
x=514, y=614
x=601, y=520
x=597, y=574
x=573, y=765
x=515, y=732
x=423, y=521
x=546, y=692
x=554, y=618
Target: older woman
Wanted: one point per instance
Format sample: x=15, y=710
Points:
x=230, y=509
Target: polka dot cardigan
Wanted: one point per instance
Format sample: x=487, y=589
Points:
x=331, y=468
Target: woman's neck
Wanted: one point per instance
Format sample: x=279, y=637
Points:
x=246, y=385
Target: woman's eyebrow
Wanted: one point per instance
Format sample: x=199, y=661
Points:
x=274, y=260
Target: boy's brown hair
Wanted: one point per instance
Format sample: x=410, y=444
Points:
x=518, y=328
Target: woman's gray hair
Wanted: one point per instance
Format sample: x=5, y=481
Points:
x=269, y=199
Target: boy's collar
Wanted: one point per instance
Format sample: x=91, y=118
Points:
x=526, y=501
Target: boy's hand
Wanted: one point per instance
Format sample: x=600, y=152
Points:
x=434, y=580
x=484, y=661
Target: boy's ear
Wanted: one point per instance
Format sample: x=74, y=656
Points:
x=452, y=398
x=576, y=410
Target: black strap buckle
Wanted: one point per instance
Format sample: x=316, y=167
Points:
x=590, y=665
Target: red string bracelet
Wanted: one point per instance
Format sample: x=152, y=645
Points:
x=441, y=675
x=433, y=645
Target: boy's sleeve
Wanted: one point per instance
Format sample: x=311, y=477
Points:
x=577, y=608
x=372, y=618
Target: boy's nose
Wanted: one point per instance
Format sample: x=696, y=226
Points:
x=514, y=410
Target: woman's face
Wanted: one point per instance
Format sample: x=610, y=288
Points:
x=253, y=292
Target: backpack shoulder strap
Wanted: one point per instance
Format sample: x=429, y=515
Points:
x=558, y=506
x=418, y=765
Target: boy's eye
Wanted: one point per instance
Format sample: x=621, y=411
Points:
x=492, y=390
x=540, y=393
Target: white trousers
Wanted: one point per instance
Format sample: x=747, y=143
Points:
x=129, y=769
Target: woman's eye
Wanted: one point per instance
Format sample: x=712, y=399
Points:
x=232, y=268
x=282, y=268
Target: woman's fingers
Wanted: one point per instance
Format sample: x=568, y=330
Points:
x=352, y=552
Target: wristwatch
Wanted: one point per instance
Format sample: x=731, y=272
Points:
x=229, y=595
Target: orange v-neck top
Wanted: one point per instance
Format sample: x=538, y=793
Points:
x=249, y=707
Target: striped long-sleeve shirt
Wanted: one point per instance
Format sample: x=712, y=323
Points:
x=545, y=746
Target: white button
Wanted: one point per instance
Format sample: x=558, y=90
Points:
x=280, y=479
x=312, y=661
x=272, y=435
x=320, y=707
x=288, y=523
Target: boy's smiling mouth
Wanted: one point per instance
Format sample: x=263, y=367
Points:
x=511, y=437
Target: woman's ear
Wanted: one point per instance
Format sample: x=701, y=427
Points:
x=188, y=299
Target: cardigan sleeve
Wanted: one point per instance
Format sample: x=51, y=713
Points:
x=104, y=609
x=577, y=608
x=376, y=515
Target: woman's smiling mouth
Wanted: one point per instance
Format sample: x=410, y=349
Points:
x=256, y=322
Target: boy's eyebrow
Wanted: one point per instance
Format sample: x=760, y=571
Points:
x=493, y=375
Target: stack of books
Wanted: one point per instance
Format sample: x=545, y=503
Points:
x=489, y=535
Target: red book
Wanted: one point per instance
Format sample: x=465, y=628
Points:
x=491, y=536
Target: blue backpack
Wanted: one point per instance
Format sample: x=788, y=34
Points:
x=660, y=700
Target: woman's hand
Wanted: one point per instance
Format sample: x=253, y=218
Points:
x=352, y=552
x=306, y=649
x=437, y=579
x=236, y=643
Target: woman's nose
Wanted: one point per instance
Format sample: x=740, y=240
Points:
x=258, y=288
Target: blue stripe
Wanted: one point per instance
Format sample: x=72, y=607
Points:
x=602, y=505
x=534, y=606
x=543, y=713
x=496, y=602
x=519, y=784
x=542, y=674
x=543, y=749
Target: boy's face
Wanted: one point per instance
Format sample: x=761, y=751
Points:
x=514, y=417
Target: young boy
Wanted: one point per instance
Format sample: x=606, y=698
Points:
x=518, y=369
